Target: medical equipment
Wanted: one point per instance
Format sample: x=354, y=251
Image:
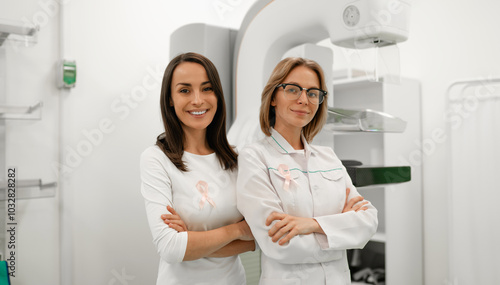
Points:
x=373, y=175
x=266, y=34
x=363, y=121
x=272, y=30
x=245, y=58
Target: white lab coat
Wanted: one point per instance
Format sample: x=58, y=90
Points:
x=318, y=190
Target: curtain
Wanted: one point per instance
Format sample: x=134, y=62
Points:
x=474, y=128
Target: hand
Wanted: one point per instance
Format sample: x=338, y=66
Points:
x=290, y=226
x=174, y=221
x=353, y=204
x=245, y=232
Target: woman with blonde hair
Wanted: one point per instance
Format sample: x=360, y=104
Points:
x=293, y=194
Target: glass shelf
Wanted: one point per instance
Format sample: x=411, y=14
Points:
x=18, y=32
x=345, y=120
x=33, y=112
x=30, y=189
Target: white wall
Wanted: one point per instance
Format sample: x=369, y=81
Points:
x=32, y=146
x=116, y=45
x=121, y=49
x=450, y=40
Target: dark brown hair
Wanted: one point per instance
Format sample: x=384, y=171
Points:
x=171, y=142
x=280, y=72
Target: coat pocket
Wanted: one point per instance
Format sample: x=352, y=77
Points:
x=332, y=185
x=334, y=175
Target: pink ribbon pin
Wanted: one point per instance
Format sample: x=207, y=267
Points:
x=285, y=171
x=202, y=187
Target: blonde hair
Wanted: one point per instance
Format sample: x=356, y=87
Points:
x=280, y=72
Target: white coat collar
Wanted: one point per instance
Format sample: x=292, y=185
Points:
x=282, y=145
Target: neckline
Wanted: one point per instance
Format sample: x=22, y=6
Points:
x=200, y=155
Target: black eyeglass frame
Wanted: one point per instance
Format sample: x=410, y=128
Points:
x=323, y=93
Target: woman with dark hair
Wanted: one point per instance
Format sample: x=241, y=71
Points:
x=192, y=169
x=292, y=193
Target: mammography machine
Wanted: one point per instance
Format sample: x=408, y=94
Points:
x=274, y=29
x=245, y=58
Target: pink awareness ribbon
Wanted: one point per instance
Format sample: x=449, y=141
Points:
x=285, y=171
x=202, y=187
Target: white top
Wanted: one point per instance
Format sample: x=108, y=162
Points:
x=163, y=184
x=318, y=190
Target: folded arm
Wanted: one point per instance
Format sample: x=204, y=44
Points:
x=234, y=248
x=174, y=221
x=174, y=246
x=256, y=200
x=349, y=229
x=289, y=226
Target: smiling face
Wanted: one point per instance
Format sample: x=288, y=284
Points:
x=293, y=115
x=193, y=98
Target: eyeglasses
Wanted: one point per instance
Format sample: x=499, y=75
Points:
x=293, y=92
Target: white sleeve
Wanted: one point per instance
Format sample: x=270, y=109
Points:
x=157, y=192
x=348, y=230
x=257, y=199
